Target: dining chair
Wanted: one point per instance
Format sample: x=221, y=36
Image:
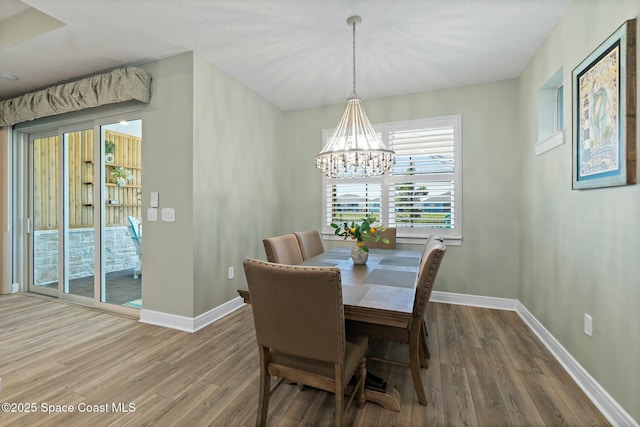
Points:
x=431, y=238
x=310, y=243
x=283, y=249
x=389, y=233
x=412, y=332
x=300, y=331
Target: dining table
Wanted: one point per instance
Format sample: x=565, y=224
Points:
x=380, y=291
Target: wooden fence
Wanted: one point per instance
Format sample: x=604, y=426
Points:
x=120, y=202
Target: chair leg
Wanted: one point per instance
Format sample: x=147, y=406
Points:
x=265, y=391
x=414, y=358
x=424, y=341
x=424, y=363
x=339, y=396
x=362, y=378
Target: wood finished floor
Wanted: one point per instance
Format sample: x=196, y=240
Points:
x=487, y=369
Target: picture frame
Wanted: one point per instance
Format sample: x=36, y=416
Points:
x=604, y=113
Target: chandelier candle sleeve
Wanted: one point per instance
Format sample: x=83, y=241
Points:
x=354, y=149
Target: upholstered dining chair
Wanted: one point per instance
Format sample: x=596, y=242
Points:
x=412, y=332
x=431, y=238
x=389, y=233
x=283, y=249
x=310, y=243
x=299, y=323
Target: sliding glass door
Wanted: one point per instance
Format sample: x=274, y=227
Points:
x=85, y=237
x=62, y=223
x=121, y=249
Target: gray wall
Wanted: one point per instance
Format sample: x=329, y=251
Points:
x=579, y=249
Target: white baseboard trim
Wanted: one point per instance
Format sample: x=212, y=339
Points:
x=475, y=300
x=190, y=324
x=614, y=413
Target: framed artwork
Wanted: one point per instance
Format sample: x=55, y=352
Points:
x=604, y=134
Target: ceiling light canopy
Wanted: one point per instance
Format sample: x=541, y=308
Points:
x=354, y=149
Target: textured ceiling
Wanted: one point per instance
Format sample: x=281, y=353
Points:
x=295, y=53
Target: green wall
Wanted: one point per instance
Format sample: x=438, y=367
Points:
x=579, y=249
x=487, y=262
x=237, y=181
x=167, y=161
x=212, y=151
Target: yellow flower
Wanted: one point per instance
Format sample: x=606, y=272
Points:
x=372, y=230
x=359, y=244
x=352, y=230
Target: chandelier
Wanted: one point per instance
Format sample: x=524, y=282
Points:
x=354, y=149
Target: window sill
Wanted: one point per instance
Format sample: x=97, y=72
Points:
x=449, y=241
x=550, y=143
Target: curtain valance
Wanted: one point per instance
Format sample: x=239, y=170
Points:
x=124, y=84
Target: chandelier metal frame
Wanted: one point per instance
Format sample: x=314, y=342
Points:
x=354, y=149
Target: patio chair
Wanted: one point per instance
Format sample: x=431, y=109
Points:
x=136, y=237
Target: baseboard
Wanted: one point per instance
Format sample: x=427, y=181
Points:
x=475, y=300
x=190, y=324
x=614, y=413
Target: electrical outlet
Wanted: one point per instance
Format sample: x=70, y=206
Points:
x=588, y=324
x=231, y=273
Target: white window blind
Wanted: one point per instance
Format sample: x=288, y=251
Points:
x=419, y=195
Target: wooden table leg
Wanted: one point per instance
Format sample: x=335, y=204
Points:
x=386, y=396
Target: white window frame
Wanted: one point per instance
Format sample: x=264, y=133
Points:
x=550, y=114
x=405, y=234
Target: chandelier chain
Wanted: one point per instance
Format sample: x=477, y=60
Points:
x=354, y=60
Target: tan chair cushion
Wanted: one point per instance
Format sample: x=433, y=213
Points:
x=355, y=350
x=389, y=233
x=297, y=310
x=283, y=249
x=310, y=243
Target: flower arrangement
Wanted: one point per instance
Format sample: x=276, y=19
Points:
x=368, y=229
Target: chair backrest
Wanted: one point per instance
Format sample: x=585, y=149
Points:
x=134, y=230
x=432, y=258
x=310, y=243
x=283, y=249
x=297, y=310
x=389, y=233
x=431, y=238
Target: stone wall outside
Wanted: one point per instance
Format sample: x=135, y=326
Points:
x=119, y=253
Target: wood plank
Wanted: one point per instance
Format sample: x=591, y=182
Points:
x=449, y=341
x=458, y=402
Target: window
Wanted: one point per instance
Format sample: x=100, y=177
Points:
x=559, y=115
x=550, y=114
x=421, y=194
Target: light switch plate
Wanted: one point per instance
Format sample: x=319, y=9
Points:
x=168, y=214
x=152, y=214
x=155, y=199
